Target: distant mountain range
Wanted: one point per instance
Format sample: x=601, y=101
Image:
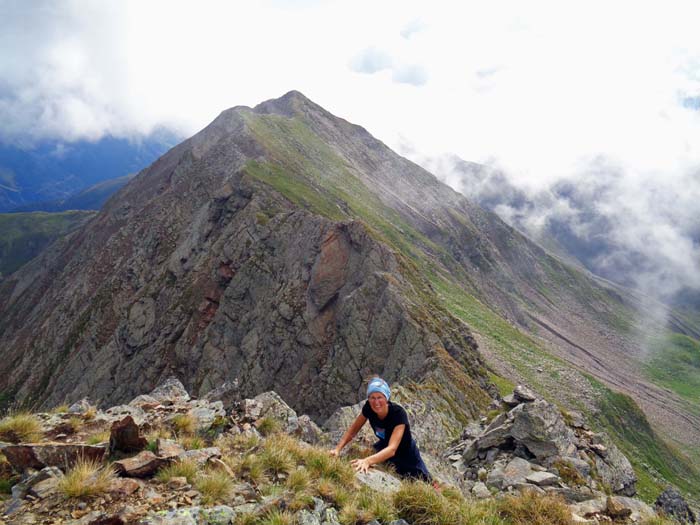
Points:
x=45, y=176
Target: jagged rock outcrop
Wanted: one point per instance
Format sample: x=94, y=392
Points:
x=530, y=445
x=671, y=503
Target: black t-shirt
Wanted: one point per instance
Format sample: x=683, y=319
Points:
x=384, y=427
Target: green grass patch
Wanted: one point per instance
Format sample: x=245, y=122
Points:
x=651, y=458
x=674, y=363
x=24, y=235
x=505, y=386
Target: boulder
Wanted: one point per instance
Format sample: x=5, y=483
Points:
x=511, y=400
x=80, y=407
x=142, y=465
x=616, y=471
x=200, y=456
x=539, y=426
x=119, y=412
x=672, y=504
x=206, y=413
x=170, y=392
x=272, y=405
x=524, y=394
x=228, y=393
x=516, y=471
x=480, y=490
x=306, y=430
x=379, y=481
x=36, y=483
x=615, y=507
x=219, y=515
x=62, y=455
x=340, y=421
x=168, y=449
x=145, y=402
x=542, y=479
x=125, y=436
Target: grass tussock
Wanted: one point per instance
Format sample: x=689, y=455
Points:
x=215, y=486
x=184, y=424
x=191, y=442
x=86, y=478
x=99, y=437
x=268, y=426
x=367, y=505
x=530, y=508
x=181, y=469
x=20, y=428
x=277, y=517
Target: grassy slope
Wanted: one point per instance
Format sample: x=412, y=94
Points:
x=337, y=194
x=24, y=235
x=675, y=364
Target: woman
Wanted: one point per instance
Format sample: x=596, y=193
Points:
x=390, y=424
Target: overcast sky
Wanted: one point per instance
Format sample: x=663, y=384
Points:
x=538, y=87
x=543, y=90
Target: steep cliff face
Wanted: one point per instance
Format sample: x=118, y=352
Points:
x=198, y=268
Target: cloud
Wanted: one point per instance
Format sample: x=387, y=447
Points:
x=414, y=26
x=411, y=74
x=639, y=230
x=370, y=61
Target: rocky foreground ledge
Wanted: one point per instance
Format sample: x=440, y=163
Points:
x=165, y=458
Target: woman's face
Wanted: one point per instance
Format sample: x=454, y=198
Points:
x=377, y=402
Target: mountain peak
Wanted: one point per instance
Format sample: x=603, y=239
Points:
x=289, y=104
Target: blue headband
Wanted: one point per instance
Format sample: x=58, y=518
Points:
x=379, y=385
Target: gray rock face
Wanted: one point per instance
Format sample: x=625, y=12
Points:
x=616, y=471
x=671, y=503
x=540, y=427
x=201, y=270
x=379, y=481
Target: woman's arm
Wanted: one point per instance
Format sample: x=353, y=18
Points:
x=363, y=465
x=350, y=433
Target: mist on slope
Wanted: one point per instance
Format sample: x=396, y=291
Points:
x=641, y=230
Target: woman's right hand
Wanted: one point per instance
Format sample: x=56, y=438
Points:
x=334, y=453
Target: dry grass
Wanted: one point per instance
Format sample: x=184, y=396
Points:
x=184, y=424
x=60, y=409
x=367, y=505
x=299, y=480
x=277, y=517
x=215, y=486
x=86, y=478
x=530, y=508
x=99, y=437
x=268, y=426
x=191, y=442
x=181, y=469
x=21, y=427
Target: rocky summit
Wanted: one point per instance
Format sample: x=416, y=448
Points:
x=165, y=458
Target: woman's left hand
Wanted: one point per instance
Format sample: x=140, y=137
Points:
x=361, y=465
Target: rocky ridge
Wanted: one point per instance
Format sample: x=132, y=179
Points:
x=137, y=495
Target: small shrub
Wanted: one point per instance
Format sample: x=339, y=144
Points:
x=530, y=508
x=86, y=478
x=215, y=486
x=185, y=469
x=20, y=428
x=184, y=424
x=268, y=426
